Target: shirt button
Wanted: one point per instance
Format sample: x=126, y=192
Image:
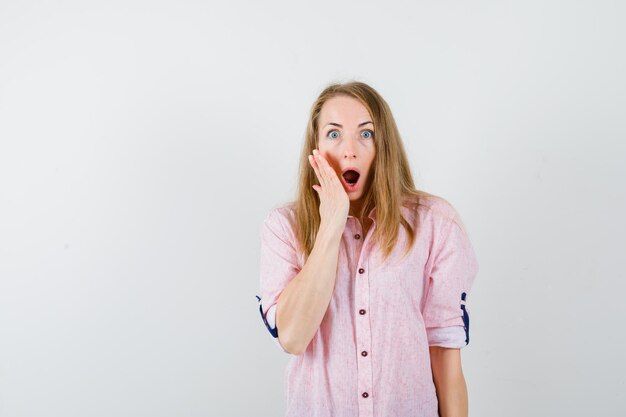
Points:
x=357, y=236
x=364, y=353
x=361, y=311
x=361, y=270
x=365, y=395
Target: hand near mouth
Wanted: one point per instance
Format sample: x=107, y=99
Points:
x=334, y=201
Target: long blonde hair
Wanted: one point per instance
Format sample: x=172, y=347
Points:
x=392, y=184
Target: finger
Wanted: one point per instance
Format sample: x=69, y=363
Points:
x=315, y=168
x=323, y=175
x=327, y=171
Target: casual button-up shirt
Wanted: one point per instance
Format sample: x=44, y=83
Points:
x=370, y=356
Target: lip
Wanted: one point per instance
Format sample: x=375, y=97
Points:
x=351, y=169
x=355, y=186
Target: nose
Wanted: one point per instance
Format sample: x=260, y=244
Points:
x=348, y=150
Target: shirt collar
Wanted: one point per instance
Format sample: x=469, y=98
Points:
x=372, y=214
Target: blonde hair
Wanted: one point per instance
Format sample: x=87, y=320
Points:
x=392, y=183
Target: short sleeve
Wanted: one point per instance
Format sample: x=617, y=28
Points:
x=453, y=271
x=278, y=266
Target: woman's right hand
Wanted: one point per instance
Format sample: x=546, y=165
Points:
x=334, y=201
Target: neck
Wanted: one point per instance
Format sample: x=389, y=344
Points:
x=355, y=207
x=354, y=211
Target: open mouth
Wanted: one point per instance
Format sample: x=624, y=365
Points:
x=351, y=176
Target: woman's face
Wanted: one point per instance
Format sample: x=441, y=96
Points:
x=346, y=140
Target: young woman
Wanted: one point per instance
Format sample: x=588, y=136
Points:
x=364, y=278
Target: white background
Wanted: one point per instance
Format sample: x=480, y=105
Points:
x=143, y=142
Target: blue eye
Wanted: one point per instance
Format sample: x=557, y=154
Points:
x=371, y=134
x=333, y=131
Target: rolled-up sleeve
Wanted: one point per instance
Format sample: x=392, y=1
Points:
x=453, y=271
x=278, y=266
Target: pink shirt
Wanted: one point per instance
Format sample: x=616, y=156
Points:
x=370, y=356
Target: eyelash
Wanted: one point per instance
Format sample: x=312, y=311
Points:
x=366, y=130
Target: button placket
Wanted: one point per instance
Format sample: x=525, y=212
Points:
x=364, y=333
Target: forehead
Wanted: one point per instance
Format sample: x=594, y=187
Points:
x=342, y=109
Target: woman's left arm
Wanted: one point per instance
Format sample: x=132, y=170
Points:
x=449, y=381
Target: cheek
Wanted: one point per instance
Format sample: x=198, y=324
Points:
x=331, y=161
x=327, y=155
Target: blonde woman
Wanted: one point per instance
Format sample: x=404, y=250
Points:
x=364, y=278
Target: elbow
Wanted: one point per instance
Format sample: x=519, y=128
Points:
x=297, y=350
x=284, y=335
x=291, y=341
x=289, y=346
x=285, y=344
x=294, y=347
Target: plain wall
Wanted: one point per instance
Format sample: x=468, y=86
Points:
x=143, y=142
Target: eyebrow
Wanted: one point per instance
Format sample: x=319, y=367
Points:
x=338, y=125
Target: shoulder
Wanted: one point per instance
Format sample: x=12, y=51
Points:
x=279, y=223
x=431, y=207
x=435, y=211
x=282, y=211
x=438, y=207
x=281, y=216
